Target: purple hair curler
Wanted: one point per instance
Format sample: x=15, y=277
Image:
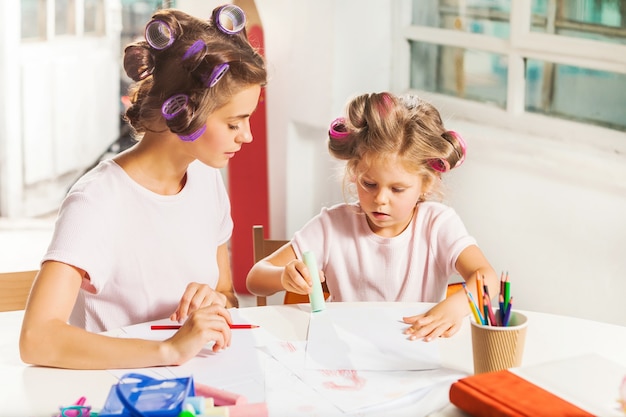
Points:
x=196, y=47
x=159, y=35
x=193, y=136
x=174, y=105
x=216, y=75
x=230, y=19
x=338, y=130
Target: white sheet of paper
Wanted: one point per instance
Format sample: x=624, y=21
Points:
x=367, y=339
x=238, y=369
x=353, y=391
x=589, y=381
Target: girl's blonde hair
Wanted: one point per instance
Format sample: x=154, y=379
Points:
x=381, y=125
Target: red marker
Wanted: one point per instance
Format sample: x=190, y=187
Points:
x=177, y=326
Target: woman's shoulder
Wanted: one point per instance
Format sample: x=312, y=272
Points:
x=104, y=173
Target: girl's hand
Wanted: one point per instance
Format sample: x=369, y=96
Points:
x=296, y=278
x=197, y=296
x=437, y=322
x=204, y=325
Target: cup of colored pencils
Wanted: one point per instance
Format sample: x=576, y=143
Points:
x=498, y=334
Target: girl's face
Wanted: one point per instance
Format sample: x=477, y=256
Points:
x=388, y=195
x=227, y=129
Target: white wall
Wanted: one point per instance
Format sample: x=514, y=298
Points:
x=552, y=216
x=320, y=54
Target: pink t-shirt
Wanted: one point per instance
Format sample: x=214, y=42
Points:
x=140, y=249
x=362, y=266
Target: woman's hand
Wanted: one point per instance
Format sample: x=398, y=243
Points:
x=296, y=278
x=204, y=325
x=197, y=296
x=440, y=321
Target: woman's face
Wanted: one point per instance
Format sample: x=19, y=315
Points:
x=388, y=194
x=227, y=129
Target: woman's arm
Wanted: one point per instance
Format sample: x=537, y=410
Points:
x=198, y=295
x=225, y=282
x=47, y=339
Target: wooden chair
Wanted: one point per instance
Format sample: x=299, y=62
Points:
x=453, y=287
x=263, y=247
x=14, y=289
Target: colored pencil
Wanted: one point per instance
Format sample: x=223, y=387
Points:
x=489, y=309
x=507, y=315
x=177, y=326
x=477, y=315
x=243, y=326
x=507, y=293
x=479, y=292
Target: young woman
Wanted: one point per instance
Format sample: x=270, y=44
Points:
x=143, y=236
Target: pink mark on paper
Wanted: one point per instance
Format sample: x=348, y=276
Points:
x=288, y=346
x=352, y=380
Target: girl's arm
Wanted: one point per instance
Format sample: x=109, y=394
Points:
x=47, y=339
x=265, y=276
x=445, y=318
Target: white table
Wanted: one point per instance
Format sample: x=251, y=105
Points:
x=37, y=392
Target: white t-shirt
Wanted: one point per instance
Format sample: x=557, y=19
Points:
x=140, y=249
x=362, y=266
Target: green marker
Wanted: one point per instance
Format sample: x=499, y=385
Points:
x=317, y=295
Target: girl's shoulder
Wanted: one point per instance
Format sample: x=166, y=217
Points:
x=341, y=210
x=434, y=210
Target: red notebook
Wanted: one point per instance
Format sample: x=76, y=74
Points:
x=504, y=394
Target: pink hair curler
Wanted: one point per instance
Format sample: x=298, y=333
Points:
x=463, y=145
x=338, y=130
x=439, y=165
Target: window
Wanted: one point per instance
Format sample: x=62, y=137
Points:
x=564, y=59
x=93, y=17
x=33, y=19
x=135, y=15
x=47, y=19
x=64, y=17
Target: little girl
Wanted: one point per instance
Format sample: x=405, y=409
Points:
x=144, y=236
x=396, y=243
